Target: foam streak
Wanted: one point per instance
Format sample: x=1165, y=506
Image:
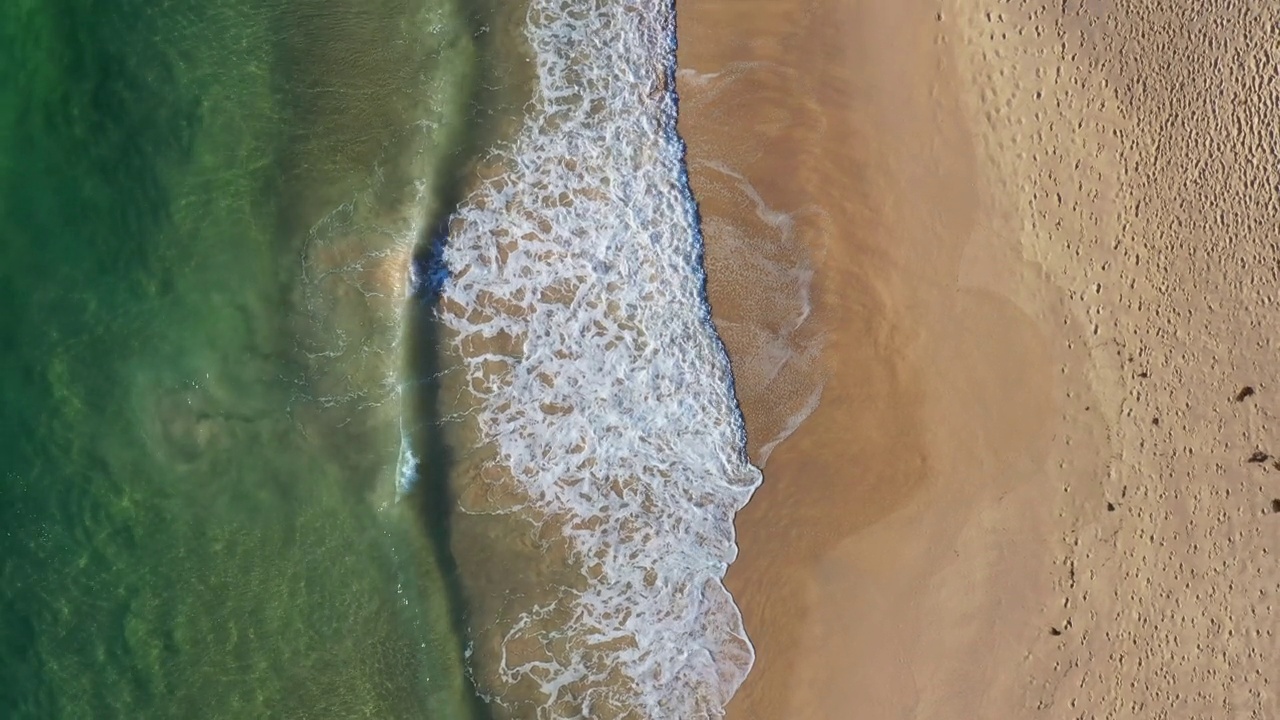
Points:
x=616, y=416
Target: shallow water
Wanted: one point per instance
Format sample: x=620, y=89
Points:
x=605, y=452
x=206, y=210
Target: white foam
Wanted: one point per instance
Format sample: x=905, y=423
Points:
x=618, y=404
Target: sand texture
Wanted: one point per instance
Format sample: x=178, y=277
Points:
x=994, y=277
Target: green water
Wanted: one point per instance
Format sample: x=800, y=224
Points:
x=197, y=430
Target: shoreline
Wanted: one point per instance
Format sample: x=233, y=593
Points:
x=923, y=417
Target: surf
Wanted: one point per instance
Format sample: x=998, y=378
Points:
x=575, y=307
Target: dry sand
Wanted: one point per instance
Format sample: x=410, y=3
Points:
x=1028, y=254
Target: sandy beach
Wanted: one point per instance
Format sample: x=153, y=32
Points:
x=996, y=280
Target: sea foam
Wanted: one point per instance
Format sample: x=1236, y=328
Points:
x=576, y=301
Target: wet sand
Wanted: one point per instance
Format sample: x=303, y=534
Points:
x=1024, y=256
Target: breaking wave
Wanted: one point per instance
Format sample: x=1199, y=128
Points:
x=577, y=305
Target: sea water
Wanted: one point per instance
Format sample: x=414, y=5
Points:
x=224, y=484
x=206, y=210
x=591, y=371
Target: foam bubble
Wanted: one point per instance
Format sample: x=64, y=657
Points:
x=577, y=303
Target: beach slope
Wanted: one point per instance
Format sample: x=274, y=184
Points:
x=996, y=280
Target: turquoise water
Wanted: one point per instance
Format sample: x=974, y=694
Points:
x=203, y=209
